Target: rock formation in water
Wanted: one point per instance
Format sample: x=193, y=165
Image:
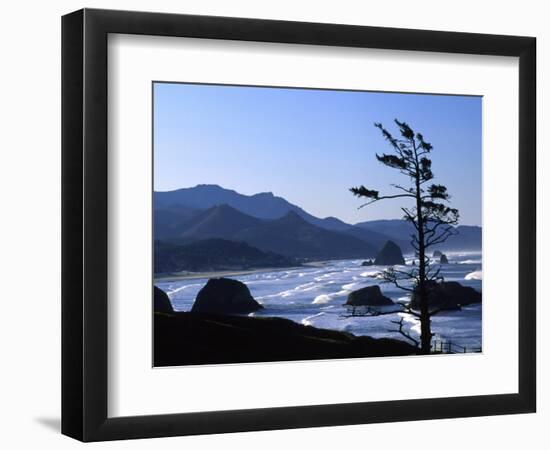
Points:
x=448, y=295
x=389, y=255
x=225, y=296
x=161, y=301
x=368, y=296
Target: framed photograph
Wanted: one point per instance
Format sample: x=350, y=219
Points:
x=273, y=224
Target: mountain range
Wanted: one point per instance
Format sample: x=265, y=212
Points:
x=264, y=205
x=274, y=225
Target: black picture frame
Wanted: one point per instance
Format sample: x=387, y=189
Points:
x=84, y=224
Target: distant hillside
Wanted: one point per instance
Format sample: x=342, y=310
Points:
x=467, y=237
x=221, y=221
x=214, y=254
x=169, y=221
x=291, y=235
x=394, y=228
x=375, y=238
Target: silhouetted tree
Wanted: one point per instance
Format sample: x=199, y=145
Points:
x=432, y=219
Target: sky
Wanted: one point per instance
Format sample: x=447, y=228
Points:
x=310, y=146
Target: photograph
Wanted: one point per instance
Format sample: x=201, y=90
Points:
x=297, y=224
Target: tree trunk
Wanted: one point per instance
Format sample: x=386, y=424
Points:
x=426, y=341
x=425, y=325
x=425, y=322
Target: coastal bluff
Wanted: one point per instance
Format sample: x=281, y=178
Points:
x=188, y=338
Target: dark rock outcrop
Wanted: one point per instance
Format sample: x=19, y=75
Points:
x=186, y=338
x=437, y=254
x=225, y=296
x=448, y=295
x=368, y=296
x=368, y=262
x=443, y=259
x=389, y=255
x=161, y=301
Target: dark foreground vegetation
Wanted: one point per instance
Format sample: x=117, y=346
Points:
x=184, y=338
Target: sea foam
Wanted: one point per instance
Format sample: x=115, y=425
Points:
x=307, y=321
x=371, y=274
x=477, y=275
x=321, y=299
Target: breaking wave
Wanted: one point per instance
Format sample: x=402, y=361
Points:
x=476, y=275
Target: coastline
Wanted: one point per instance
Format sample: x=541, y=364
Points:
x=229, y=273
x=313, y=294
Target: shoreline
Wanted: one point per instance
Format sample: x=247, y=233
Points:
x=230, y=273
x=179, y=276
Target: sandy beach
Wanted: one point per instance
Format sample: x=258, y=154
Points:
x=229, y=273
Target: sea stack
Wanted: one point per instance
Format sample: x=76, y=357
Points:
x=389, y=255
x=447, y=295
x=225, y=296
x=443, y=259
x=162, y=302
x=368, y=296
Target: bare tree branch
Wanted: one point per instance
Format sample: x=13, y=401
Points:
x=385, y=197
x=400, y=330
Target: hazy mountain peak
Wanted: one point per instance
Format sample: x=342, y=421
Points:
x=209, y=187
x=206, y=185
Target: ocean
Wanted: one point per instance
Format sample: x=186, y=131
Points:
x=315, y=296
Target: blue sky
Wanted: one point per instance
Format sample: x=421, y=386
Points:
x=310, y=146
